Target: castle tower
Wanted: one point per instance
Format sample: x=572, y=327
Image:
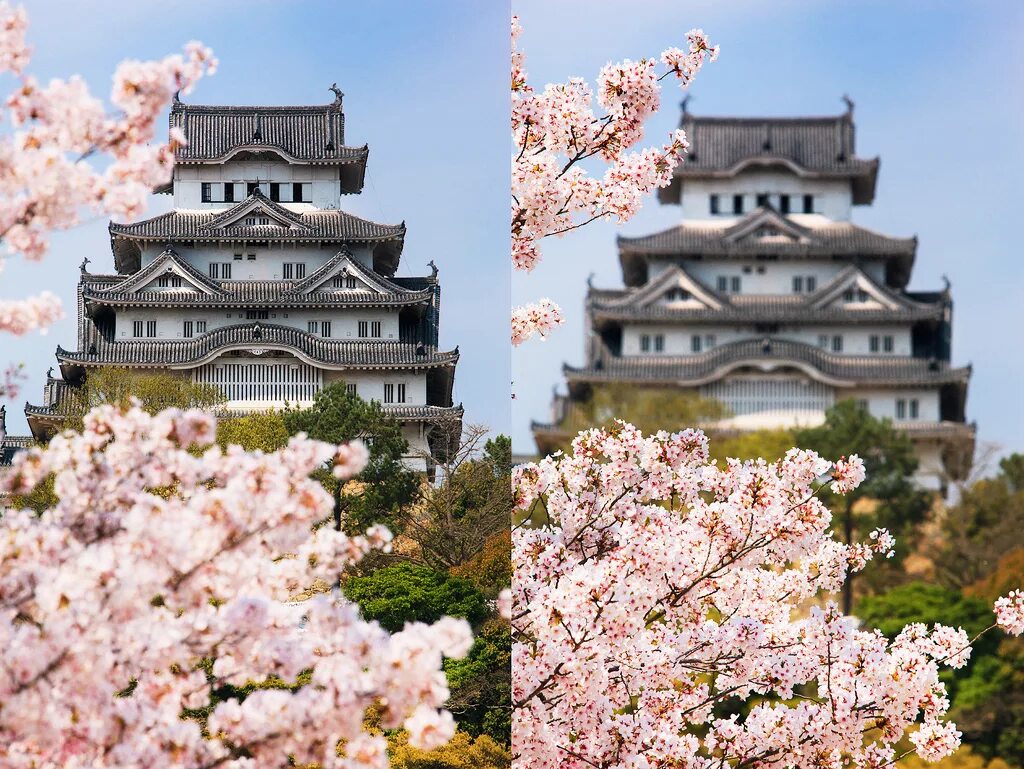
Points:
x=768, y=298
x=259, y=283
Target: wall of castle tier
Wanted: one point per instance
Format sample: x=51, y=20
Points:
x=258, y=261
x=680, y=339
x=830, y=198
x=764, y=277
x=376, y=324
x=318, y=186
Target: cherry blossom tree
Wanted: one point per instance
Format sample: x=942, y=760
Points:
x=668, y=596
x=555, y=132
x=64, y=154
x=165, y=553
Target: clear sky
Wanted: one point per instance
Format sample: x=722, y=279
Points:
x=425, y=86
x=938, y=92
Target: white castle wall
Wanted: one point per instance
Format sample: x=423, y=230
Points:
x=269, y=261
x=324, y=181
x=832, y=197
x=764, y=277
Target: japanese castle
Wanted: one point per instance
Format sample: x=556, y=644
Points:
x=259, y=283
x=768, y=298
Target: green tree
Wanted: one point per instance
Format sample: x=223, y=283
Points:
x=896, y=502
x=386, y=488
x=768, y=444
x=156, y=391
x=260, y=431
x=481, y=684
x=408, y=592
x=462, y=752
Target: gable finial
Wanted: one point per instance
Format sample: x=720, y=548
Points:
x=49, y=373
x=83, y=265
x=177, y=98
x=338, y=95
x=946, y=284
x=849, y=105
x=433, y=268
x=590, y=281
x=684, y=104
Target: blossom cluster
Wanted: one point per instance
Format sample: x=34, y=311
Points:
x=164, y=551
x=23, y=315
x=557, y=130
x=539, y=317
x=663, y=590
x=65, y=153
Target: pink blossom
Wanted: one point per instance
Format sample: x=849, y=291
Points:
x=847, y=474
x=1010, y=612
x=537, y=318
x=36, y=313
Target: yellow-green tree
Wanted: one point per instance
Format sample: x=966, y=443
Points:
x=462, y=752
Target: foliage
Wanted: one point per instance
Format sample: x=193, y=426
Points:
x=155, y=391
x=1005, y=577
x=985, y=524
x=261, y=431
x=481, y=684
x=462, y=752
x=769, y=444
x=408, y=592
x=896, y=502
x=386, y=487
x=490, y=569
x=472, y=504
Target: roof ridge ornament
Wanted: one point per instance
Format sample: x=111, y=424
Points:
x=849, y=105
x=82, y=266
x=257, y=134
x=338, y=95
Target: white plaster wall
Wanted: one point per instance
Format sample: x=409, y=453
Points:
x=882, y=402
x=370, y=385
x=269, y=258
x=856, y=339
x=326, y=190
x=833, y=198
x=344, y=322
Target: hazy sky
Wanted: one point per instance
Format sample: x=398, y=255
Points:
x=938, y=95
x=424, y=86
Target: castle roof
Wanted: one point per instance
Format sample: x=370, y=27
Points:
x=766, y=233
x=810, y=147
x=230, y=226
x=647, y=303
x=312, y=133
x=765, y=355
x=197, y=289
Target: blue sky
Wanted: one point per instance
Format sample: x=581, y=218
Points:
x=938, y=92
x=424, y=86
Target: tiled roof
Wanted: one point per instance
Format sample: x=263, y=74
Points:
x=243, y=293
x=188, y=353
x=11, y=445
x=842, y=370
x=810, y=146
x=313, y=133
x=312, y=226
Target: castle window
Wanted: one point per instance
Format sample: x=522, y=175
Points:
x=207, y=192
x=823, y=341
x=286, y=270
x=325, y=328
x=812, y=284
x=695, y=343
x=762, y=199
x=295, y=270
x=186, y=329
x=784, y=204
x=677, y=295
x=257, y=314
x=137, y=328
x=837, y=343
x=364, y=327
x=659, y=343
x=915, y=408
x=734, y=284
x=229, y=192
x=873, y=343
x=709, y=341
x=220, y=270
x=350, y=388
x=275, y=191
x=200, y=326
x=300, y=270
x=888, y=343
x=645, y=343
x=401, y=392
x=252, y=257
x=163, y=281
x=798, y=284
x=312, y=326
x=350, y=282
x=723, y=283
x=737, y=204
x=901, y=409
x=808, y=204
x=251, y=187
x=238, y=257
x=375, y=328
x=714, y=204
x=302, y=192
x=151, y=328
x=389, y=393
